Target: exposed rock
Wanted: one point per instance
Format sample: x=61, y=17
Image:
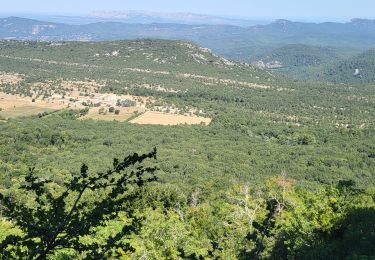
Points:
x=357, y=73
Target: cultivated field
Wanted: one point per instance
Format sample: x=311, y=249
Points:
x=160, y=118
x=12, y=106
x=23, y=111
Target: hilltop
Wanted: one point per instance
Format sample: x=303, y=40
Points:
x=167, y=57
x=140, y=76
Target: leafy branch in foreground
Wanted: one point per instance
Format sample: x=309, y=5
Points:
x=51, y=222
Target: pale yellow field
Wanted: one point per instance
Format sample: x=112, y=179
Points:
x=15, y=106
x=159, y=118
x=23, y=111
x=125, y=114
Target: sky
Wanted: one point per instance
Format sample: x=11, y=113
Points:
x=300, y=9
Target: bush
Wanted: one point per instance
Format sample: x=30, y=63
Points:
x=101, y=111
x=126, y=103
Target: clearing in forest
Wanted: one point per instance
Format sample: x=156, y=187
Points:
x=160, y=118
x=12, y=106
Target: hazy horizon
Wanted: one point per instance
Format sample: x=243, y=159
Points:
x=265, y=19
x=319, y=11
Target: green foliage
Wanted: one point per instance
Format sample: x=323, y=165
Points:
x=218, y=197
x=336, y=223
x=126, y=103
x=52, y=222
x=295, y=56
x=321, y=64
x=357, y=69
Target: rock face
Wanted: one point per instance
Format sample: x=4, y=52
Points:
x=357, y=73
x=268, y=65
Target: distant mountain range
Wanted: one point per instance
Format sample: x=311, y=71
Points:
x=144, y=17
x=234, y=42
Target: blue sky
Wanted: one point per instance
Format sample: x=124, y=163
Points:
x=305, y=9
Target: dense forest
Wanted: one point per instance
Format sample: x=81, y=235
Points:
x=320, y=64
x=359, y=68
x=300, y=55
x=285, y=170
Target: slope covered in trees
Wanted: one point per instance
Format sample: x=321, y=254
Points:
x=299, y=55
x=301, y=61
x=358, y=69
x=285, y=170
x=322, y=64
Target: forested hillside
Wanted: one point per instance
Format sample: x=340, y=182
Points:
x=358, y=69
x=284, y=169
x=299, y=55
x=320, y=64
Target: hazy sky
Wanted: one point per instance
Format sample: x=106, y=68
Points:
x=308, y=9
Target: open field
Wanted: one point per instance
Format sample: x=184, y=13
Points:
x=160, y=118
x=14, y=106
x=24, y=111
x=11, y=101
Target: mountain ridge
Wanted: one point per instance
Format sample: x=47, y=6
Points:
x=231, y=41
